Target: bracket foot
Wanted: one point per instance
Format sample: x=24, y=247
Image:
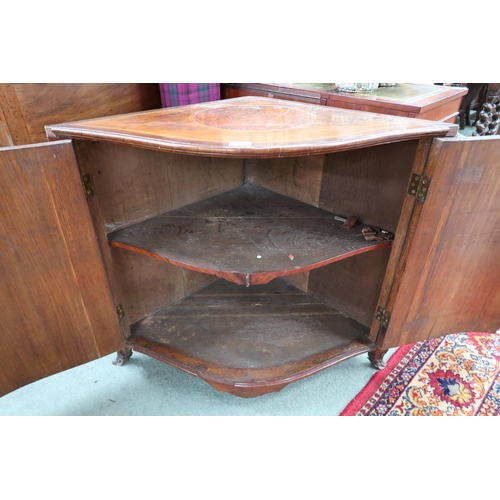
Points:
x=376, y=359
x=122, y=356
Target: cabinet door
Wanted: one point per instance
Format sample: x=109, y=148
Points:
x=56, y=309
x=451, y=282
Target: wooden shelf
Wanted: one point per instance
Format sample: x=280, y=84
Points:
x=249, y=235
x=250, y=341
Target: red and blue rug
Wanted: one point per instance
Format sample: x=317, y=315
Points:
x=456, y=375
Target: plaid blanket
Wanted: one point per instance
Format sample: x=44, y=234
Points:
x=180, y=94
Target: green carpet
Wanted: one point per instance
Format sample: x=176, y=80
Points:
x=145, y=386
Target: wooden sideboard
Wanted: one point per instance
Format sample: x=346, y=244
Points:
x=428, y=102
x=250, y=242
x=25, y=108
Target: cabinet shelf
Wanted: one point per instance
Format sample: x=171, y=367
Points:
x=249, y=235
x=250, y=341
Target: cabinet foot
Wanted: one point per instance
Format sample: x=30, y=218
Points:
x=122, y=356
x=376, y=359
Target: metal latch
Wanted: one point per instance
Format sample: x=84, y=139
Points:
x=383, y=316
x=87, y=184
x=419, y=186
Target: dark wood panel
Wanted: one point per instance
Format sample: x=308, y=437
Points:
x=298, y=178
x=250, y=341
x=452, y=276
x=298, y=280
x=250, y=127
x=148, y=285
x=230, y=91
x=408, y=222
x=13, y=115
x=133, y=184
x=250, y=235
x=369, y=184
x=55, y=302
x=353, y=285
x=366, y=107
x=445, y=111
x=31, y=106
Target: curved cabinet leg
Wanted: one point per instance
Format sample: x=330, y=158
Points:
x=376, y=359
x=122, y=356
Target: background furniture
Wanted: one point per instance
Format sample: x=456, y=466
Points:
x=474, y=100
x=112, y=241
x=488, y=120
x=429, y=102
x=25, y=108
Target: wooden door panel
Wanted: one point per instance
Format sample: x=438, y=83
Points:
x=451, y=281
x=56, y=308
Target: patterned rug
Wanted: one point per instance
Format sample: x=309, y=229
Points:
x=456, y=375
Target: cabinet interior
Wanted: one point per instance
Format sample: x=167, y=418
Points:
x=228, y=333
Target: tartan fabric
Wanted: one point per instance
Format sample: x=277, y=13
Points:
x=180, y=94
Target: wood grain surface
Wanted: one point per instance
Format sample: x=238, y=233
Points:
x=423, y=101
x=148, y=285
x=352, y=286
x=299, y=177
x=56, y=307
x=370, y=183
x=250, y=341
x=451, y=281
x=249, y=235
x=135, y=184
x=250, y=127
x=28, y=107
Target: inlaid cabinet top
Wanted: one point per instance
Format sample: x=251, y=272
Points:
x=250, y=127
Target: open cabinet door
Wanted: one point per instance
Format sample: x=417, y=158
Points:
x=56, y=308
x=451, y=282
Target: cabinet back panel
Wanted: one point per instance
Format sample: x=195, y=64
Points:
x=299, y=280
x=353, y=285
x=299, y=178
x=135, y=184
x=147, y=285
x=372, y=185
x=368, y=184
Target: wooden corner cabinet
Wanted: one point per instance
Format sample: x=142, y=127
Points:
x=251, y=242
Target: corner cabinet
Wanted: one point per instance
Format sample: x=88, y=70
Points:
x=251, y=242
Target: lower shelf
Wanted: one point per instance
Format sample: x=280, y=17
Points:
x=250, y=341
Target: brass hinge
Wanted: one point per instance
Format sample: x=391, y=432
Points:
x=419, y=186
x=383, y=316
x=87, y=184
x=120, y=312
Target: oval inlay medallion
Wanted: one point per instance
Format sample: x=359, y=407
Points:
x=270, y=117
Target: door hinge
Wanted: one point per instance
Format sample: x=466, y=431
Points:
x=88, y=185
x=383, y=316
x=419, y=186
x=120, y=311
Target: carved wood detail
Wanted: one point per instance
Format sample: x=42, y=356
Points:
x=489, y=116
